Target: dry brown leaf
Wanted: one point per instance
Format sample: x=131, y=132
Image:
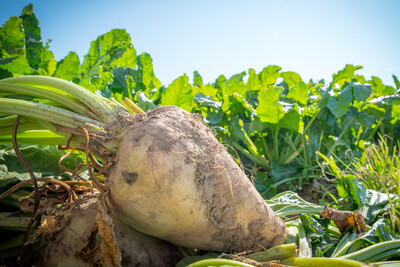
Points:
x=104, y=252
x=345, y=219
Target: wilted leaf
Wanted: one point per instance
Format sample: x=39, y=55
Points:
x=101, y=247
x=289, y=203
x=345, y=219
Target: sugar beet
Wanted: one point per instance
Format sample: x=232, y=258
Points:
x=172, y=179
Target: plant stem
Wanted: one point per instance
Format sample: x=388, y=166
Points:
x=319, y=261
x=281, y=252
x=94, y=102
x=218, y=262
x=259, y=160
x=266, y=148
x=34, y=137
x=48, y=113
x=52, y=94
x=275, y=140
x=337, y=142
x=366, y=253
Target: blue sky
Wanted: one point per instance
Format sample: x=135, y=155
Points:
x=312, y=38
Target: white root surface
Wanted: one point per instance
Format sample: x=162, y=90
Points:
x=172, y=179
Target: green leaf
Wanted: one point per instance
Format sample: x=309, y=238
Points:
x=12, y=38
x=108, y=48
x=349, y=186
x=234, y=104
x=14, y=67
x=144, y=102
x=123, y=83
x=361, y=92
x=148, y=79
x=376, y=203
x=220, y=81
x=233, y=95
x=292, y=120
x=289, y=203
x=48, y=64
x=379, y=89
x=253, y=83
x=238, y=132
x=281, y=172
x=34, y=45
x=206, y=90
x=108, y=51
x=339, y=105
x=269, y=75
x=43, y=161
x=206, y=101
x=235, y=85
x=321, y=242
x=67, y=68
x=269, y=109
x=395, y=111
x=298, y=90
x=179, y=93
x=197, y=79
x=123, y=55
x=396, y=81
x=345, y=75
x=192, y=259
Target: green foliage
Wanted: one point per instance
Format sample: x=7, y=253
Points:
x=370, y=183
x=319, y=237
x=280, y=125
x=179, y=93
x=272, y=118
x=42, y=159
x=67, y=68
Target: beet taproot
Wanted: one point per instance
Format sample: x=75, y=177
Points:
x=64, y=248
x=166, y=173
x=172, y=179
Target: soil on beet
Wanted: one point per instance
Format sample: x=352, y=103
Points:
x=135, y=248
x=181, y=136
